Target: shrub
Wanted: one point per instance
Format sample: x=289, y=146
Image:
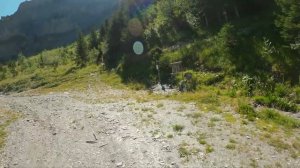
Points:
x=189, y=85
x=209, y=149
x=271, y=115
x=178, y=128
x=3, y=71
x=230, y=146
x=262, y=100
x=248, y=111
x=249, y=84
x=281, y=90
x=297, y=95
x=214, y=79
x=276, y=102
x=183, y=151
x=189, y=58
x=205, y=78
x=285, y=105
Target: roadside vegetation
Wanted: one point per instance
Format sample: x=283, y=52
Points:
x=6, y=118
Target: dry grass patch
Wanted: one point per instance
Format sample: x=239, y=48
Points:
x=6, y=118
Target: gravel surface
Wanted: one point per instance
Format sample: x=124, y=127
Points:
x=77, y=130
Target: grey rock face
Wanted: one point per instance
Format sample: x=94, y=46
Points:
x=47, y=24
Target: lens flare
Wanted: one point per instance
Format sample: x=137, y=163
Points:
x=135, y=27
x=138, y=48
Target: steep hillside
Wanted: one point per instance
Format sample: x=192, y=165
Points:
x=46, y=24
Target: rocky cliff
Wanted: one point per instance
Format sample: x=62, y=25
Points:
x=46, y=24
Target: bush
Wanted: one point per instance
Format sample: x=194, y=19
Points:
x=188, y=85
x=214, y=79
x=3, y=71
x=178, y=128
x=277, y=118
x=248, y=111
x=276, y=102
x=249, y=84
x=262, y=100
x=268, y=115
x=297, y=95
x=281, y=90
x=205, y=78
x=189, y=58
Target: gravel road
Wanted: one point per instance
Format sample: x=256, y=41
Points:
x=75, y=130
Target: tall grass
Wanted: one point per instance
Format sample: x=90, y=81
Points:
x=268, y=115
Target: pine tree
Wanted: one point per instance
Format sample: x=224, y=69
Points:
x=2, y=72
x=288, y=19
x=94, y=40
x=22, y=63
x=102, y=45
x=41, y=61
x=114, y=36
x=81, y=51
x=288, y=22
x=102, y=33
x=12, y=68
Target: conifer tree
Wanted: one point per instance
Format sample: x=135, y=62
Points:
x=94, y=40
x=81, y=51
x=288, y=19
x=2, y=72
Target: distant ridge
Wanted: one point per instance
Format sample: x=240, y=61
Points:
x=45, y=24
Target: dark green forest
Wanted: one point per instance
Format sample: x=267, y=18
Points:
x=258, y=38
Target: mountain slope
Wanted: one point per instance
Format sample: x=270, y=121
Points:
x=46, y=24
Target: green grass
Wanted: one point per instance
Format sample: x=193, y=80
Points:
x=6, y=118
x=67, y=77
x=229, y=118
x=160, y=105
x=279, y=144
x=268, y=115
x=170, y=136
x=276, y=102
x=232, y=141
x=183, y=151
x=201, y=139
x=186, y=151
x=147, y=109
x=231, y=146
x=214, y=119
x=195, y=115
x=181, y=108
x=248, y=111
x=209, y=149
x=277, y=118
x=178, y=128
x=205, y=98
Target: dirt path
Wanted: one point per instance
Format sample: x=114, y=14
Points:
x=76, y=130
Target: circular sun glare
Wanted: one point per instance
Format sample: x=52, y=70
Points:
x=138, y=48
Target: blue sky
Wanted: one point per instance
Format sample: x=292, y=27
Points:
x=9, y=7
